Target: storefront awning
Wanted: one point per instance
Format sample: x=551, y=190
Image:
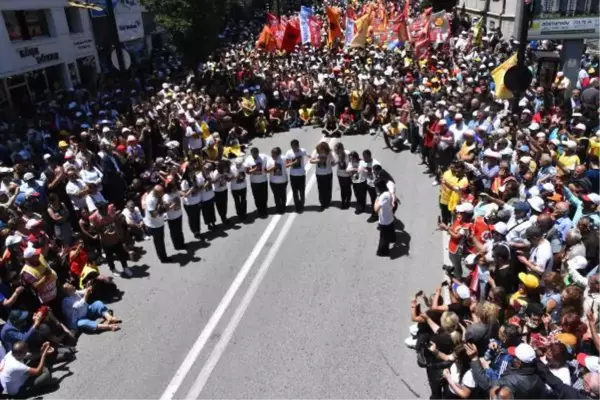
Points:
x=86, y=5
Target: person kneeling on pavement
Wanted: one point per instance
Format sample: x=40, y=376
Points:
x=19, y=379
x=80, y=315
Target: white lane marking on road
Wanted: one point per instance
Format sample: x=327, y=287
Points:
x=208, y=330
x=218, y=350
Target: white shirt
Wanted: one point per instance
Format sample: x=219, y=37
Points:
x=260, y=161
x=13, y=374
x=74, y=308
x=367, y=169
x=169, y=199
x=467, y=379
x=358, y=176
x=92, y=199
x=386, y=212
x=191, y=199
x=75, y=187
x=220, y=180
x=279, y=174
x=206, y=193
x=151, y=204
x=194, y=143
x=239, y=178
x=133, y=217
x=542, y=255
x=93, y=176
x=325, y=161
x=458, y=133
x=342, y=165
x=299, y=156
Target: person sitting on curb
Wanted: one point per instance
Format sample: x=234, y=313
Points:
x=80, y=315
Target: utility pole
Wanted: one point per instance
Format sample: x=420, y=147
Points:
x=524, y=28
x=110, y=12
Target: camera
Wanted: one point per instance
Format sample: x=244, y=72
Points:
x=449, y=269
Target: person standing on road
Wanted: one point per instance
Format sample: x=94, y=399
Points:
x=239, y=188
x=191, y=202
x=342, y=157
x=295, y=162
x=278, y=177
x=154, y=219
x=256, y=165
x=323, y=158
x=366, y=166
x=384, y=208
x=382, y=175
x=220, y=177
x=207, y=201
x=359, y=182
x=172, y=203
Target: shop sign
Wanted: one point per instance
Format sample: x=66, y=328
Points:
x=564, y=28
x=40, y=57
x=130, y=26
x=83, y=45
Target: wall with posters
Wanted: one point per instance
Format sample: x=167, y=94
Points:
x=128, y=17
x=500, y=13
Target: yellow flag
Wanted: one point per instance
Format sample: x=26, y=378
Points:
x=498, y=76
x=362, y=29
x=478, y=32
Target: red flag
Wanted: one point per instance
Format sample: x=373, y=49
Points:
x=272, y=20
x=350, y=13
x=335, y=30
x=291, y=36
x=314, y=25
x=406, y=9
x=402, y=31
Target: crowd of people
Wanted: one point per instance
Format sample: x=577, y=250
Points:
x=87, y=176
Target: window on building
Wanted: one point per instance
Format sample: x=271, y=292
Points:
x=74, y=19
x=26, y=24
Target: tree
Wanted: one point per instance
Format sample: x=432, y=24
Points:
x=194, y=25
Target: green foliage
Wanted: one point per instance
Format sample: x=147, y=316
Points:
x=192, y=24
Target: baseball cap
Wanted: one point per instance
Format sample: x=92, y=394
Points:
x=580, y=126
x=537, y=203
x=500, y=227
x=462, y=291
x=589, y=362
x=521, y=206
x=534, y=126
x=12, y=239
x=529, y=280
x=592, y=198
x=31, y=251
x=524, y=148
x=28, y=176
x=464, y=208
x=525, y=353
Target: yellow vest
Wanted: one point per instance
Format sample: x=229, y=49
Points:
x=46, y=289
x=248, y=102
x=88, y=270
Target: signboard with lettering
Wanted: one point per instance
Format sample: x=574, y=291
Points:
x=83, y=46
x=129, y=26
x=34, y=55
x=564, y=19
x=120, y=7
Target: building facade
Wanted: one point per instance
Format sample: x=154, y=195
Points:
x=45, y=46
x=499, y=13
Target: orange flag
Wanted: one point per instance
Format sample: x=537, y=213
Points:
x=335, y=30
x=266, y=40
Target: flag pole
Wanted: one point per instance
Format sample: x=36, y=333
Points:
x=525, y=17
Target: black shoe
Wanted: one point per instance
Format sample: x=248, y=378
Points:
x=382, y=254
x=198, y=235
x=372, y=218
x=167, y=260
x=359, y=211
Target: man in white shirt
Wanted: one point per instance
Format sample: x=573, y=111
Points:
x=154, y=219
x=256, y=167
x=384, y=208
x=18, y=378
x=77, y=190
x=540, y=256
x=278, y=177
x=366, y=166
x=295, y=160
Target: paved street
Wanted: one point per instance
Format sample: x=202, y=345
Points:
x=307, y=311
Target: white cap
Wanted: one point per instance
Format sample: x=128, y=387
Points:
x=534, y=126
x=593, y=197
x=442, y=122
x=464, y=208
x=525, y=159
x=126, y=129
x=577, y=262
x=462, y=291
x=540, y=135
x=28, y=176
x=131, y=138
x=47, y=156
x=534, y=191
x=458, y=116
x=501, y=228
x=580, y=126
x=571, y=144
x=537, y=203
x=525, y=353
x=30, y=251
x=32, y=222
x=471, y=259
x=548, y=187
x=106, y=129
x=526, y=111
x=12, y=239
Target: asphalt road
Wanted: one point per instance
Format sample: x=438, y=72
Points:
x=305, y=310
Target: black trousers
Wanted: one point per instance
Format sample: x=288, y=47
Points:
x=221, y=202
x=373, y=195
x=345, y=190
x=387, y=235
x=208, y=211
x=241, y=206
x=193, y=216
x=260, y=192
x=298, y=184
x=325, y=186
x=158, y=237
x=279, y=195
x=176, y=232
x=360, y=192
x=446, y=214
x=115, y=252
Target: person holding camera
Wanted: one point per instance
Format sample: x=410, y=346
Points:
x=19, y=379
x=385, y=211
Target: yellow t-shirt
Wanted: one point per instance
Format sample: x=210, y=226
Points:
x=355, y=100
x=594, y=147
x=205, y=130
x=248, y=102
x=305, y=113
x=569, y=161
x=446, y=193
